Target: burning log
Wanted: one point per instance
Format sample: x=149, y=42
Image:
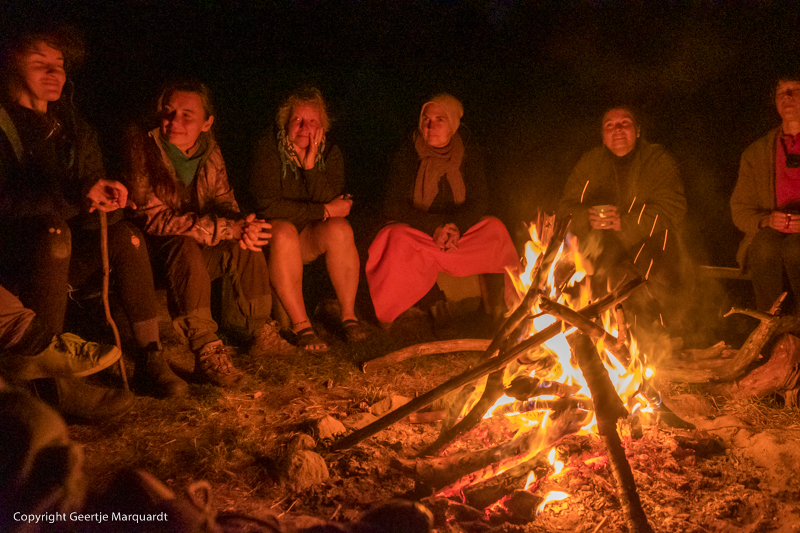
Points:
x=588, y=327
x=526, y=387
x=481, y=370
x=445, y=475
x=494, y=383
x=608, y=409
x=622, y=325
x=428, y=348
x=557, y=405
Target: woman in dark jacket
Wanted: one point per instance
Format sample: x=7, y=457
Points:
x=436, y=200
x=52, y=180
x=298, y=184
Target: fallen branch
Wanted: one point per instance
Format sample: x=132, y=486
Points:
x=427, y=348
x=781, y=373
x=725, y=370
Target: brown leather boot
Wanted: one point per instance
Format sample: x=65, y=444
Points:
x=153, y=375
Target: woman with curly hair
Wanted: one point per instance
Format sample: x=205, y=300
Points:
x=297, y=182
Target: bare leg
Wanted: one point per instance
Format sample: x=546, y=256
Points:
x=286, y=271
x=334, y=238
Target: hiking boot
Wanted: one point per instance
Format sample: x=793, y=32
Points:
x=153, y=375
x=267, y=341
x=66, y=355
x=75, y=397
x=213, y=365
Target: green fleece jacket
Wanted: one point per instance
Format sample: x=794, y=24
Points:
x=652, y=199
x=754, y=195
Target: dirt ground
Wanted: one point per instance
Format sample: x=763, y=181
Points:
x=734, y=473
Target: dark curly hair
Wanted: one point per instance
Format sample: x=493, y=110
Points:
x=65, y=39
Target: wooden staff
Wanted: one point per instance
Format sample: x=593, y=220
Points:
x=106, y=304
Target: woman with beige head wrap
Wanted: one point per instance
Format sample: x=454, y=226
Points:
x=436, y=201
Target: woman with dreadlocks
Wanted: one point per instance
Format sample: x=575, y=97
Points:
x=297, y=184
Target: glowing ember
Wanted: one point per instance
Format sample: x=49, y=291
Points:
x=553, y=496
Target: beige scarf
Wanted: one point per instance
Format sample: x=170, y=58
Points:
x=434, y=163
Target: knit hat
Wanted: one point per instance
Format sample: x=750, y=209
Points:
x=451, y=106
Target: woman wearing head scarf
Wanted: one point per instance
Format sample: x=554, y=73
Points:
x=197, y=233
x=298, y=185
x=436, y=201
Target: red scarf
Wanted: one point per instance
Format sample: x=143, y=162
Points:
x=434, y=163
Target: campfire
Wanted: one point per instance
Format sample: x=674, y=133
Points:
x=562, y=364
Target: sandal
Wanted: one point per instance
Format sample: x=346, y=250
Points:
x=308, y=340
x=354, y=330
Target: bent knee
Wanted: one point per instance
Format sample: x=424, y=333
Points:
x=126, y=235
x=57, y=239
x=338, y=232
x=283, y=231
x=790, y=250
x=183, y=250
x=766, y=247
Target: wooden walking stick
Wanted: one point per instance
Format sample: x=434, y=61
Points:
x=106, y=305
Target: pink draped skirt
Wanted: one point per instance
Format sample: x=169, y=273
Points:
x=404, y=263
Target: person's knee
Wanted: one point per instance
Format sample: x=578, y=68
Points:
x=338, y=233
x=184, y=251
x=765, y=249
x=496, y=226
x=126, y=239
x=397, y=235
x=57, y=239
x=283, y=233
x=790, y=251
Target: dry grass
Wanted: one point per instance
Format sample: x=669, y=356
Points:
x=234, y=438
x=766, y=413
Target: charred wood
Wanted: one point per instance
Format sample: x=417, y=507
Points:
x=450, y=475
x=608, y=409
x=526, y=387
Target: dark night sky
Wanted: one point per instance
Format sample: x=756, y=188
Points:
x=533, y=76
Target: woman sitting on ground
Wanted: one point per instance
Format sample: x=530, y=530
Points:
x=436, y=200
x=196, y=232
x=298, y=186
